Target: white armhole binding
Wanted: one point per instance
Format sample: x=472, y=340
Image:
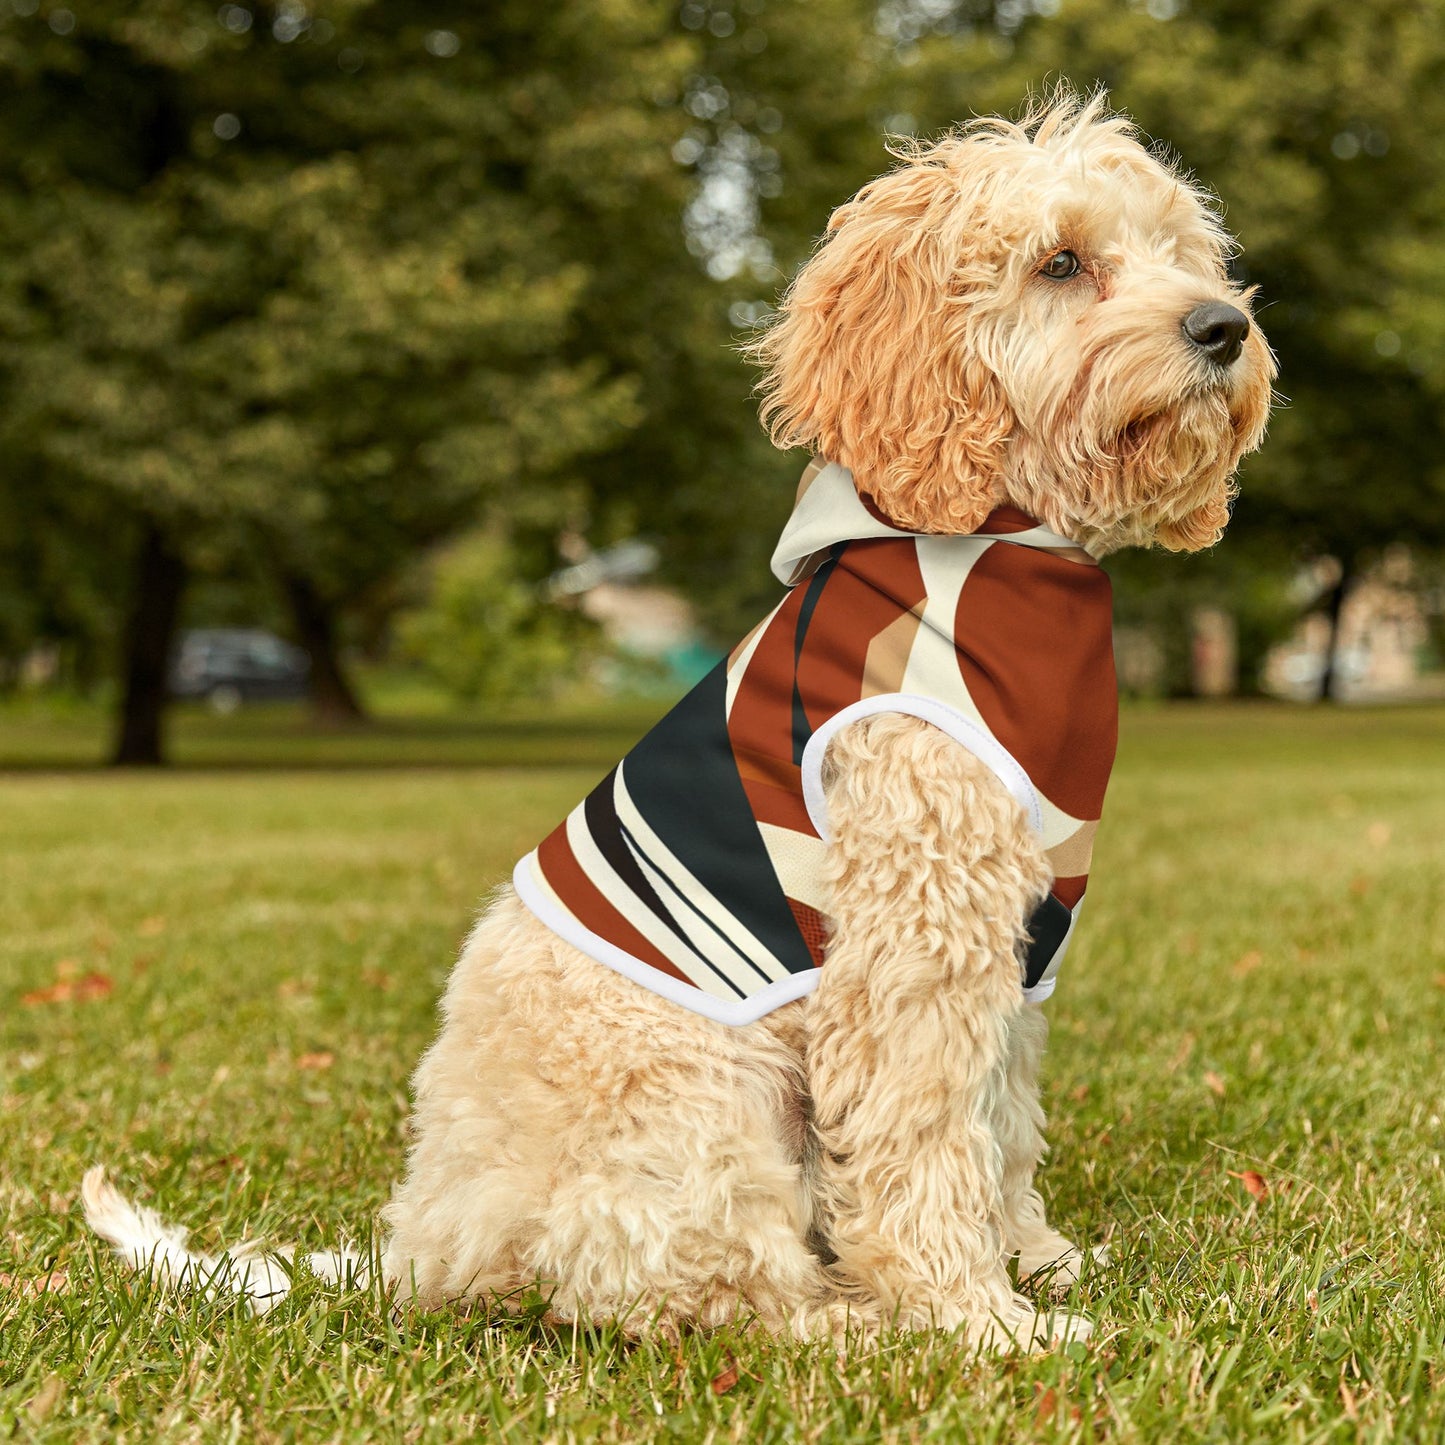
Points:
x=963, y=730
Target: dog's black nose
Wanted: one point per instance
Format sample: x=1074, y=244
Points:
x=1218, y=330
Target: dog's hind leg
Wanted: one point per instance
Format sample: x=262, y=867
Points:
x=578, y=1135
x=935, y=872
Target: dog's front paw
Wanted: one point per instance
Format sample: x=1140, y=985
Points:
x=1023, y=1326
x=1058, y=1269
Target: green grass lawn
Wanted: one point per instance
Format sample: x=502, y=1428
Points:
x=252, y=958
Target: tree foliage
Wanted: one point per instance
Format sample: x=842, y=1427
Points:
x=323, y=286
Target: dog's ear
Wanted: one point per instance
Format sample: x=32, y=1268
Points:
x=873, y=360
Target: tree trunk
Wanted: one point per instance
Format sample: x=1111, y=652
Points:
x=160, y=578
x=333, y=699
x=1329, y=675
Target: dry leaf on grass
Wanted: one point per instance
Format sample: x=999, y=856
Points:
x=724, y=1381
x=67, y=990
x=56, y=1282
x=321, y=1059
x=1046, y=1407
x=1255, y=1184
x=1214, y=1083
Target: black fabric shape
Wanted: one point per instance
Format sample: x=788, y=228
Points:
x=688, y=758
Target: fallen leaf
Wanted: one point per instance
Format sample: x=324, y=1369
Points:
x=1440, y=980
x=1247, y=963
x=66, y=990
x=1214, y=1083
x=724, y=1382
x=1360, y=885
x=56, y=993
x=56, y=1282
x=1080, y=1094
x=322, y=1059
x=1046, y=1407
x=151, y=927
x=1254, y=1183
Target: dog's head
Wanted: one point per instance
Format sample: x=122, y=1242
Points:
x=1033, y=312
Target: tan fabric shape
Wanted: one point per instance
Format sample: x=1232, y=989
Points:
x=888, y=655
x=1072, y=857
x=806, y=480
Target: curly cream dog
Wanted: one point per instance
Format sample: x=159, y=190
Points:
x=1026, y=319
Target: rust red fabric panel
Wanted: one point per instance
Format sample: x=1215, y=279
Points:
x=1003, y=520
x=1069, y=890
x=1035, y=646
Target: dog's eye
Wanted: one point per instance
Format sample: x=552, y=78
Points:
x=1060, y=266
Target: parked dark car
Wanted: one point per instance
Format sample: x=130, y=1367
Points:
x=230, y=665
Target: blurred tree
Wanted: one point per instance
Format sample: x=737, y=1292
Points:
x=309, y=283
x=486, y=634
x=782, y=108
x=328, y=283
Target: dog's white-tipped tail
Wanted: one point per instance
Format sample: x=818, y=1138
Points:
x=147, y=1243
x=139, y=1235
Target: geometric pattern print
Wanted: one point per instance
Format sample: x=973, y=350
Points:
x=696, y=866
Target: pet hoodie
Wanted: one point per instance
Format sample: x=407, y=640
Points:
x=695, y=867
